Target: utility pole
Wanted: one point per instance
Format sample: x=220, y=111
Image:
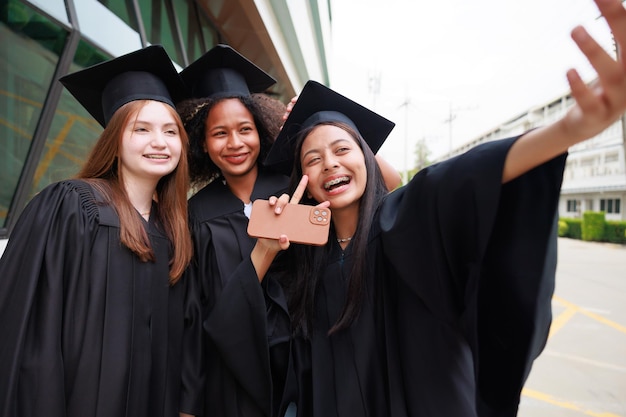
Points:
x=406, y=103
x=452, y=112
x=449, y=120
x=373, y=86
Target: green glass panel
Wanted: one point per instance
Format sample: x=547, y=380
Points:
x=209, y=33
x=73, y=131
x=197, y=38
x=188, y=24
x=29, y=53
x=160, y=27
x=124, y=10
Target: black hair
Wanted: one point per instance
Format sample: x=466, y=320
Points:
x=305, y=264
x=266, y=111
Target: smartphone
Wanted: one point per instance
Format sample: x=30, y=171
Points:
x=301, y=223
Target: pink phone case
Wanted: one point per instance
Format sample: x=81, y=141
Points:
x=299, y=222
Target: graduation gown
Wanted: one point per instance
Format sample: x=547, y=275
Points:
x=457, y=300
x=238, y=340
x=87, y=328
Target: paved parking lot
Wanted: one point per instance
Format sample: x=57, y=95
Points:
x=582, y=371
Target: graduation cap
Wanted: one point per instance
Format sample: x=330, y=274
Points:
x=224, y=72
x=147, y=73
x=316, y=104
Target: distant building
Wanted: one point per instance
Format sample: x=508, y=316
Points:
x=595, y=173
x=45, y=134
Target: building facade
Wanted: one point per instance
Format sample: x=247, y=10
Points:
x=45, y=134
x=595, y=172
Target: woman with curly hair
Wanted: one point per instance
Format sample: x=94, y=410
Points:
x=231, y=126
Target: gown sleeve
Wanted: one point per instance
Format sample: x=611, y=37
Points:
x=43, y=255
x=485, y=255
x=246, y=323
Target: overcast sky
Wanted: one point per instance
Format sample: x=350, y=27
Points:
x=483, y=61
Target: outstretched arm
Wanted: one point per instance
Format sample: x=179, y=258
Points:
x=597, y=105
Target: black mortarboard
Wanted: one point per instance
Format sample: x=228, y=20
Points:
x=318, y=103
x=224, y=72
x=147, y=73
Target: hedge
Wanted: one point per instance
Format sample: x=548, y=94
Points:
x=593, y=227
x=615, y=231
x=573, y=228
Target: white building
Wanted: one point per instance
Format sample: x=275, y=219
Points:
x=595, y=173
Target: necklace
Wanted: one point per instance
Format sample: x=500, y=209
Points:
x=344, y=240
x=147, y=213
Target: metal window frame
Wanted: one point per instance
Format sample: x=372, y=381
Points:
x=49, y=107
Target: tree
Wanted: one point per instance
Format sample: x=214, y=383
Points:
x=422, y=154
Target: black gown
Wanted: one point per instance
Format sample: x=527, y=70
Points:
x=87, y=328
x=458, y=297
x=239, y=340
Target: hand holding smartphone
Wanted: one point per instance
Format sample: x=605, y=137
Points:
x=300, y=223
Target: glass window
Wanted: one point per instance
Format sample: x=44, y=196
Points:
x=572, y=206
x=29, y=51
x=610, y=205
x=199, y=34
x=124, y=10
x=209, y=33
x=73, y=131
x=190, y=29
x=160, y=26
x=55, y=8
x=106, y=29
x=611, y=157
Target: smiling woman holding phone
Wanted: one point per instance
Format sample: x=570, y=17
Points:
x=434, y=299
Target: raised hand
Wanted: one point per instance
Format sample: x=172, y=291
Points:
x=601, y=103
x=290, y=105
x=266, y=250
x=597, y=107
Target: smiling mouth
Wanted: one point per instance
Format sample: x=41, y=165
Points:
x=236, y=158
x=156, y=156
x=337, y=182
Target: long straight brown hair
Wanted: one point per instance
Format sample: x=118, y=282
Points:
x=103, y=171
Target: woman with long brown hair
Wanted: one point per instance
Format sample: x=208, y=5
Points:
x=91, y=304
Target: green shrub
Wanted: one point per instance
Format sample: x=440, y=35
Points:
x=593, y=226
x=615, y=231
x=574, y=228
x=563, y=228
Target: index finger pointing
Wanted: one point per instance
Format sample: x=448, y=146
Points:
x=299, y=192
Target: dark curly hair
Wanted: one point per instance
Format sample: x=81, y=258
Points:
x=268, y=117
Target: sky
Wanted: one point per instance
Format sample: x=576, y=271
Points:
x=482, y=62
